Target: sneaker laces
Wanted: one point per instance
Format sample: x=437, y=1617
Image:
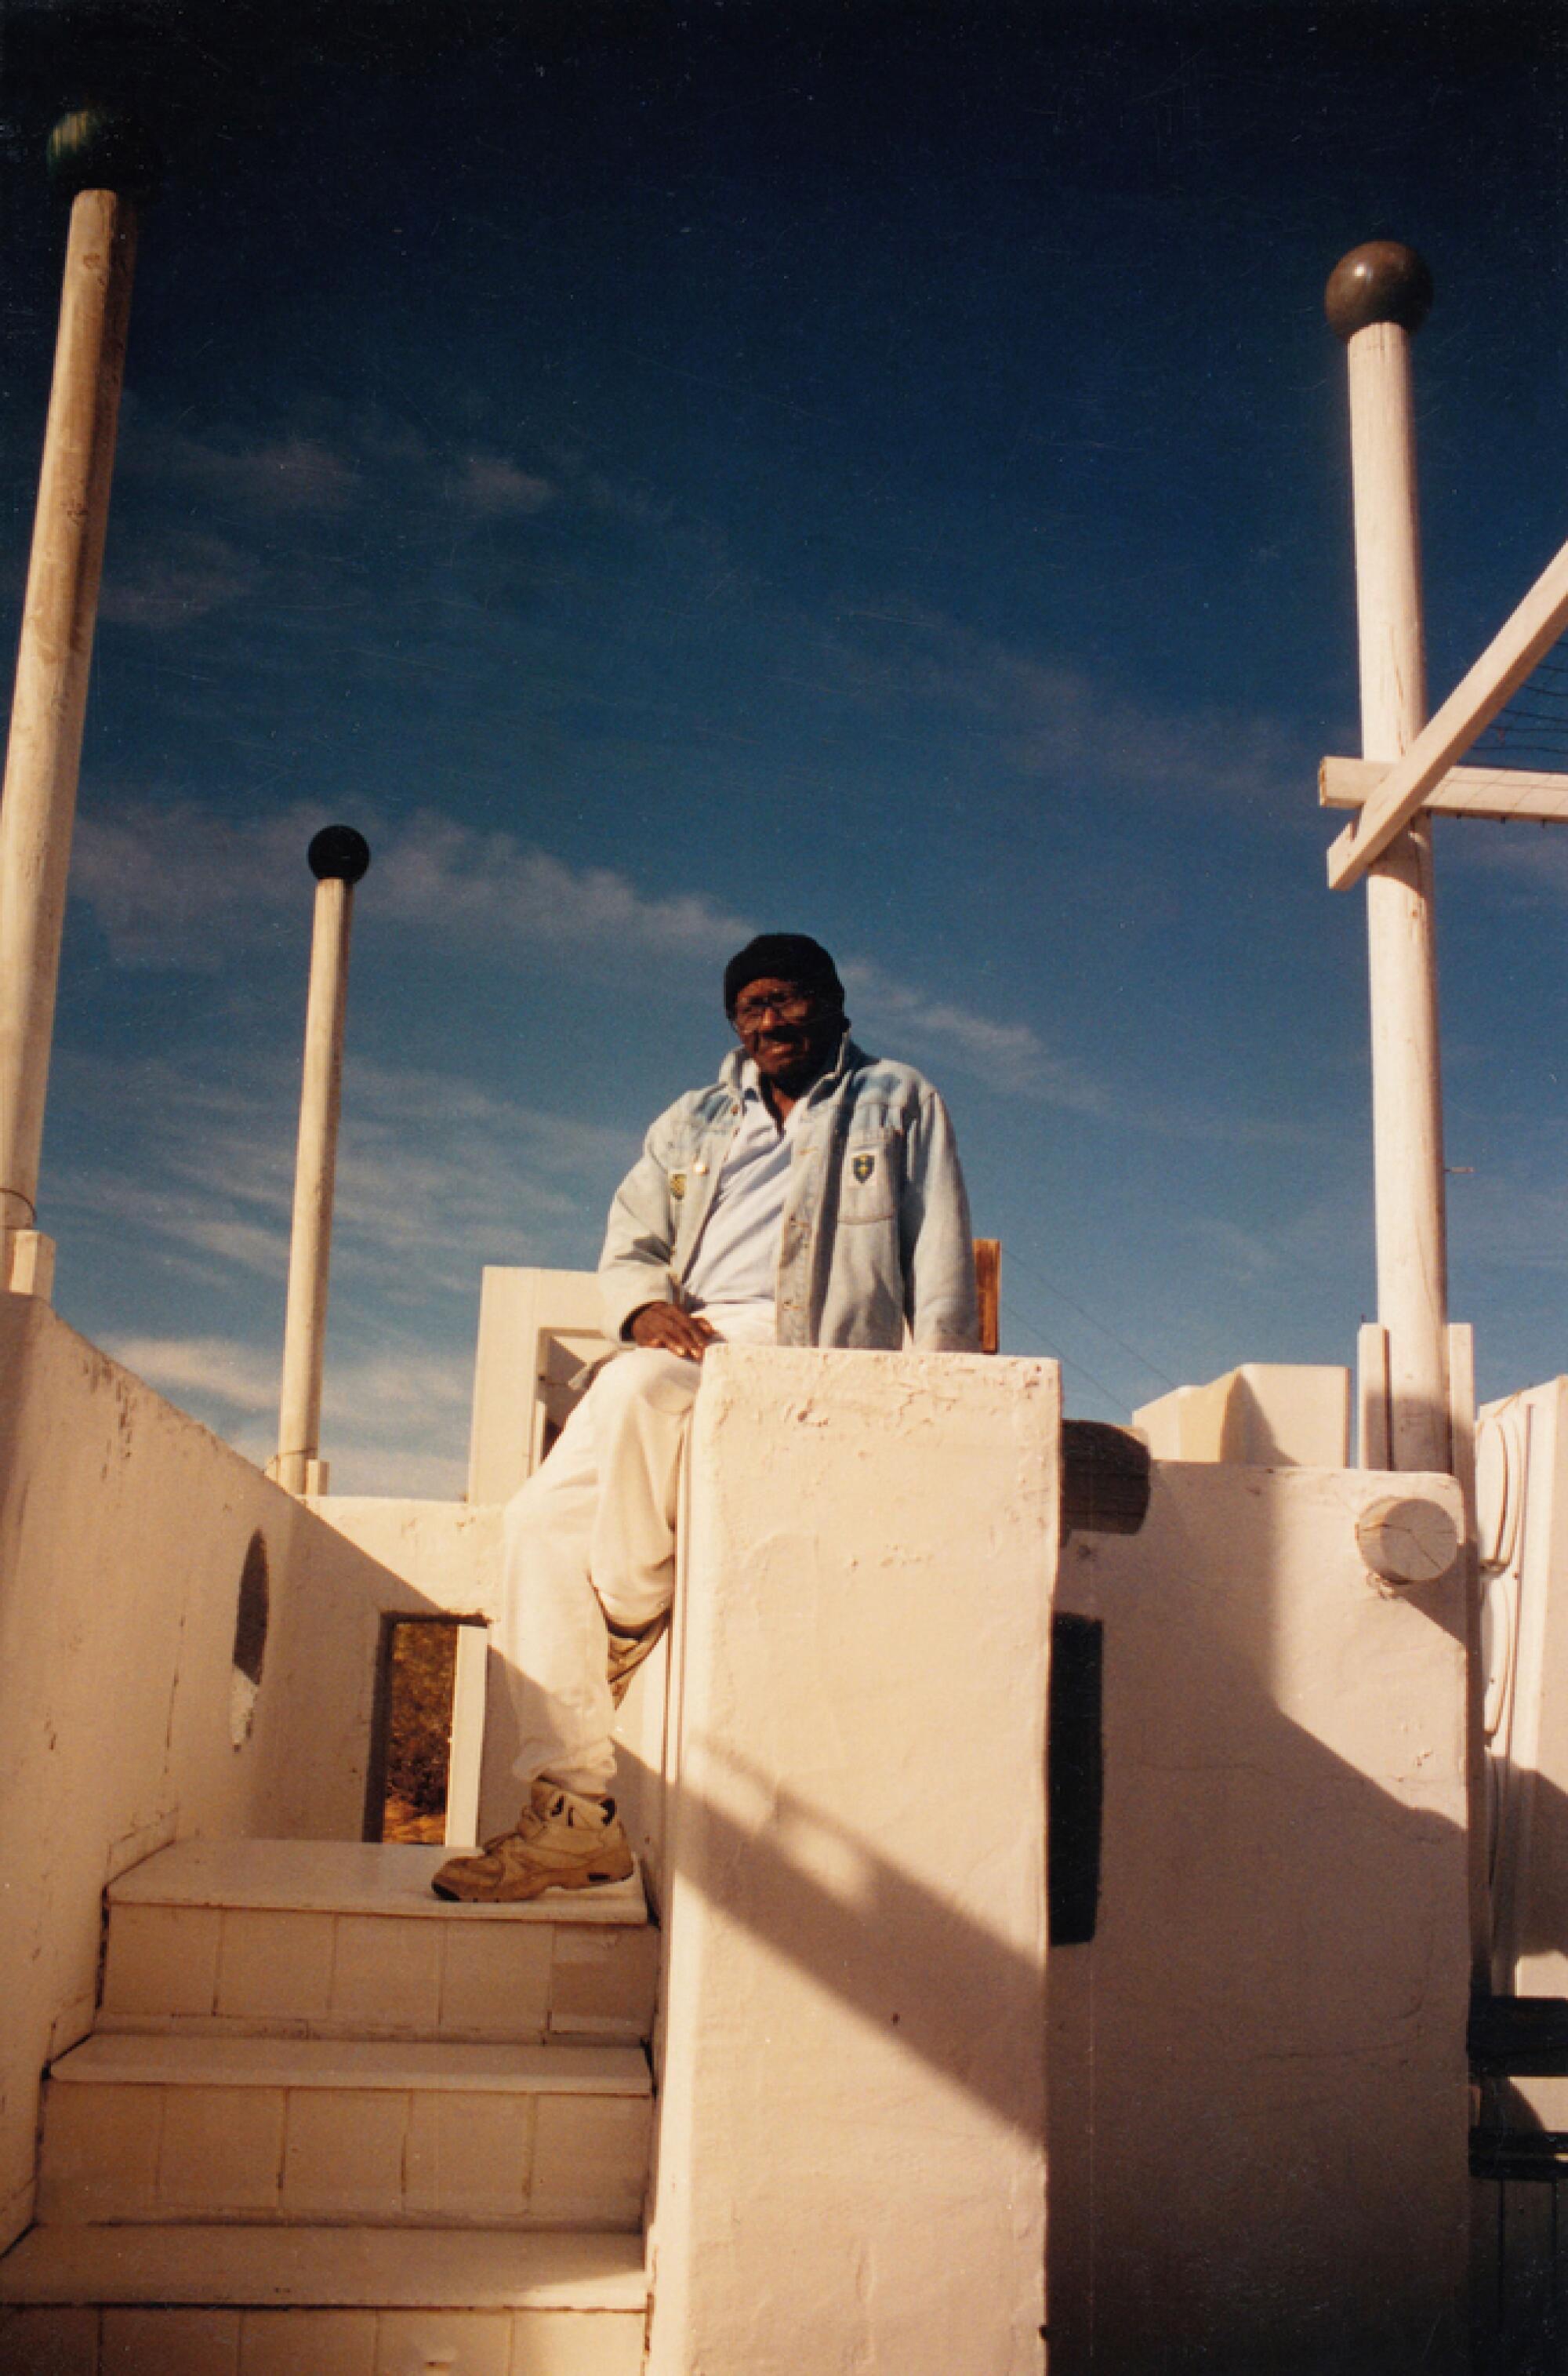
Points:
x=546, y=1803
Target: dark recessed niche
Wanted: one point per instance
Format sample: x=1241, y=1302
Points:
x=1075, y=1777
x=250, y=1639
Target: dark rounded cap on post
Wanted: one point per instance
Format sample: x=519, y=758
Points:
x=1384, y=281
x=104, y=149
x=337, y=854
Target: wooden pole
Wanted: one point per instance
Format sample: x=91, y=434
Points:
x=988, y=1291
x=1377, y=296
x=338, y=858
x=107, y=165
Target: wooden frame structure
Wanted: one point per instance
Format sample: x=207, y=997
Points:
x=1427, y=777
x=1408, y=771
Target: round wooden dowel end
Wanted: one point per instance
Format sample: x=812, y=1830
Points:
x=338, y=854
x=104, y=149
x=1382, y=281
x=1406, y=1541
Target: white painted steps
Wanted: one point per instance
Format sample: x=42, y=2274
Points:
x=346, y=2129
x=329, y=2123
x=338, y=1938
x=320, y=2301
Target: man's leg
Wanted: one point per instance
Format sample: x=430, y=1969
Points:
x=551, y=1631
x=644, y=1408
x=592, y=1530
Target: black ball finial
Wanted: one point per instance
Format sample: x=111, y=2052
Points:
x=104, y=149
x=337, y=854
x=1382, y=281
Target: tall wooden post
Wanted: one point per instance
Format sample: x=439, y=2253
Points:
x=1377, y=296
x=337, y=858
x=106, y=165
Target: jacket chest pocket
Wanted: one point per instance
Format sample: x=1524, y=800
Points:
x=870, y=1175
x=693, y=1178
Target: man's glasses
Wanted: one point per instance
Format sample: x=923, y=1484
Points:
x=749, y=1012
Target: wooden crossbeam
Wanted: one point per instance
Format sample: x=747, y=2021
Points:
x=1464, y=792
x=1475, y=701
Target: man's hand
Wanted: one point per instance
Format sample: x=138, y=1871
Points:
x=666, y=1328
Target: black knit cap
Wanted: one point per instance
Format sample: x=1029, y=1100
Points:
x=782, y=956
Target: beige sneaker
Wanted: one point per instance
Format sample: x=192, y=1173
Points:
x=629, y=1648
x=562, y=1841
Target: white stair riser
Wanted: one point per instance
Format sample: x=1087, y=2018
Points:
x=369, y=2156
x=49, y=2342
x=258, y=1971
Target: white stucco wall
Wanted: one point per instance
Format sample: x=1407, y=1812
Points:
x=1265, y=1414
x=851, y=2168
x=124, y=1528
x=1258, y=2077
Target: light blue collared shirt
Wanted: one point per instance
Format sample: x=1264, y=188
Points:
x=734, y=1280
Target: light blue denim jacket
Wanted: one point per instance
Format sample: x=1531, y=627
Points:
x=876, y=1222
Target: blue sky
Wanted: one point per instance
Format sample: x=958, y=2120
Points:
x=878, y=470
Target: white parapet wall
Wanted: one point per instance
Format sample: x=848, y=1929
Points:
x=1258, y=2080
x=126, y=1530
x=1522, y=1492
x=851, y=2159
x=1267, y=1414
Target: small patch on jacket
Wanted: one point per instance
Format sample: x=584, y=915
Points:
x=677, y=1185
x=864, y=1166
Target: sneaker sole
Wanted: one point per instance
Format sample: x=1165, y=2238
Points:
x=523, y=1897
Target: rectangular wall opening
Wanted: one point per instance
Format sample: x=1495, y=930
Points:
x=422, y=1669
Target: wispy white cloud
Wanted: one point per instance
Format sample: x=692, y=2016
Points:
x=435, y=1176
x=265, y=476
x=1008, y=1056
x=391, y=1420
x=214, y=1370
x=176, y=884
x=1050, y=720
x=497, y=487
x=178, y=577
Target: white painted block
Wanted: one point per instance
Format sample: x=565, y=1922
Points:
x=170, y=2343
x=308, y=2342
x=495, y=1981
x=387, y=1976
x=99, y=2153
x=408, y=2342
x=329, y=2267
x=576, y=2342
x=131, y=2058
x=221, y=2149
x=1258, y=2082
x=48, y=2342
x=343, y=2153
x=1267, y=1414
x=344, y=1877
x=604, y=1983
x=590, y=2160
x=852, y=2157
x=162, y=1959
x=470, y=2157
x=275, y=1962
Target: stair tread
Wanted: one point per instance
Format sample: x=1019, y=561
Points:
x=324, y=2268
x=162, y=2058
x=348, y=1877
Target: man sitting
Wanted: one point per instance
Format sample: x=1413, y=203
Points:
x=811, y=1196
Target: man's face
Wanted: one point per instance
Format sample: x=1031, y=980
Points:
x=789, y=1034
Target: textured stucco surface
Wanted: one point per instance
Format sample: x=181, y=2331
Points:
x=124, y=1528
x=851, y=2164
x=1258, y=2076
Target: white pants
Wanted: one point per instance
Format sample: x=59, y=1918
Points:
x=591, y=1535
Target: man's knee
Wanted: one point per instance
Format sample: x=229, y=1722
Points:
x=657, y=1380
